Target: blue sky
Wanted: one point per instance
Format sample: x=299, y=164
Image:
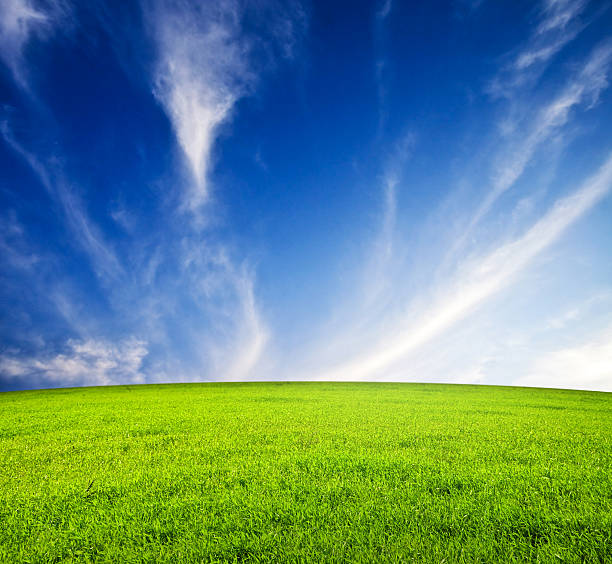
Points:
x=280, y=190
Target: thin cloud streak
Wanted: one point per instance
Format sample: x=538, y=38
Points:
x=584, y=89
x=559, y=25
x=86, y=233
x=558, y=14
x=253, y=335
x=221, y=321
x=476, y=282
x=600, y=300
x=224, y=294
x=382, y=255
x=14, y=252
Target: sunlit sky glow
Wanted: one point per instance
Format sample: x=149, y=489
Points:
x=286, y=190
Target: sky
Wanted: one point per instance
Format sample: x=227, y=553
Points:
x=256, y=190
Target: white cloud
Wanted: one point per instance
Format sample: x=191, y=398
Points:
x=476, y=281
x=559, y=24
x=252, y=335
x=20, y=20
x=206, y=62
x=205, y=65
x=382, y=256
x=85, y=363
x=538, y=54
x=557, y=15
x=201, y=72
x=584, y=89
x=586, y=365
x=225, y=296
x=561, y=321
x=88, y=236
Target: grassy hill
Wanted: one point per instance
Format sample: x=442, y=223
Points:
x=306, y=472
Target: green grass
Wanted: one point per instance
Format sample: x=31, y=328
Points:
x=299, y=472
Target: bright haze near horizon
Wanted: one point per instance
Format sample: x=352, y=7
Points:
x=286, y=190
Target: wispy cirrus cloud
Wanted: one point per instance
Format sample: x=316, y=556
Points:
x=557, y=27
x=85, y=233
x=20, y=21
x=382, y=255
x=231, y=336
x=404, y=323
x=205, y=64
x=240, y=360
x=476, y=281
x=582, y=90
x=559, y=23
x=559, y=14
x=224, y=332
x=526, y=128
x=202, y=70
x=202, y=292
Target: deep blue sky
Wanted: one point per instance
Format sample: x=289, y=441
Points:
x=261, y=190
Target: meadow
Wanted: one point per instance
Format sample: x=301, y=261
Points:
x=305, y=472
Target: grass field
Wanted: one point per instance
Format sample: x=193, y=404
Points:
x=298, y=472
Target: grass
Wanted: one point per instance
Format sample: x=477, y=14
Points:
x=305, y=472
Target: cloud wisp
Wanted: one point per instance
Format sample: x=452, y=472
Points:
x=85, y=233
x=207, y=62
x=20, y=21
x=202, y=70
x=241, y=359
x=583, y=90
x=228, y=334
x=402, y=325
x=476, y=281
x=382, y=255
x=559, y=24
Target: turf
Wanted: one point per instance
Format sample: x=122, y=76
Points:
x=305, y=472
